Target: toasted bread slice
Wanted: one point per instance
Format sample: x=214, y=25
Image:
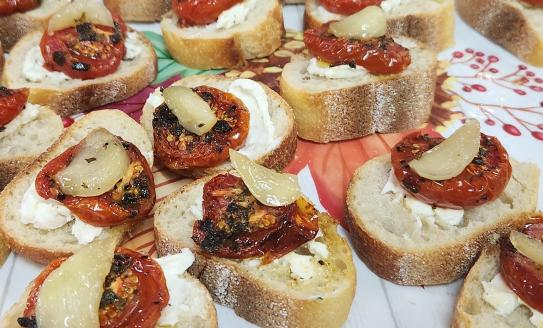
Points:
x=339, y=109
x=281, y=115
x=387, y=238
x=1, y=58
x=44, y=245
x=139, y=10
x=263, y=294
x=429, y=22
x=20, y=147
x=74, y=95
x=15, y=26
x=196, y=309
x=207, y=47
x=472, y=311
x=512, y=24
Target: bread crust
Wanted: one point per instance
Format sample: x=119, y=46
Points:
x=88, y=94
x=1, y=58
x=225, y=52
x=10, y=167
x=15, y=26
x=360, y=110
x=139, y=10
x=424, y=266
x=433, y=28
x=506, y=23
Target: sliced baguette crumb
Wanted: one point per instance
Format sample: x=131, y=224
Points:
x=281, y=114
x=510, y=23
x=259, y=36
x=139, y=10
x=430, y=23
x=386, y=238
x=264, y=295
x=339, y=109
x=76, y=96
x=42, y=246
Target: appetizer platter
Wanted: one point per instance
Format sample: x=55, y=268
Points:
x=243, y=163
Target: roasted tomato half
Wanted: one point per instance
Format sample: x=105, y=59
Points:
x=135, y=292
x=200, y=12
x=348, y=7
x=131, y=199
x=378, y=56
x=12, y=102
x=180, y=149
x=522, y=274
x=482, y=181
x=8, y=7
x=86, y=51
x=236, y=225
x=535, y=3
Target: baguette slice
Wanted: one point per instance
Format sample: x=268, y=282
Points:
x=472, y=311
x=45, y=245
x=20, y=148
x=198, y=310
x=430, y=22
x=280, y=113
x=386, y=238
x=76, y=96
x=265, y=295
x=206, y=47
x=139, y=10
x=15, y=26
x=339, y=109
x=1, y=58
x=510, y=23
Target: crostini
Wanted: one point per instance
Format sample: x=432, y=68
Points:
x=1, y=58
x=105, y=286
x=222, y=34
x=26, y=131
x=359, y=80
x=513, y=24
x=94, y=181
x=429, y=22
x=18, y=17
x=139, y=10
x=422, y=214
x=76, y=64
x=194, y=123
x=504, y=289
x=261, y=248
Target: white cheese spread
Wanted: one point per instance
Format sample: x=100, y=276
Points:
x=29, y=114
x=444, y=217
x=133, y=46
x=33, y=70
x=173, y=267
x=235, y=15
x=324, y=15
x=49, y=214
x=389, y=5
x=302, y=267
x=334, y=72
x=505, y=301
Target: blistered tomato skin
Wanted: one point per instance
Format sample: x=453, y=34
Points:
x=378, y=56
x=522, y=274
x=348, y=7
x=482, y=181
x=86, y=51
x=127, y=202
x=8, y=7
x=200, y=12
x=12, y=102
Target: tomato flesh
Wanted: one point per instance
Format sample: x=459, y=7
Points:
x=535, y=3
x=86, y=51
x=8, y=7
x=482, y=181
x=127, y=202
x=179, y=149
x=520, y=273
x=378, y=56
x=200, y=12
x=238, y=226
x=348, y=7
x=12, y=103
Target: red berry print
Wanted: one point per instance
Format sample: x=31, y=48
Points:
x=512, y=130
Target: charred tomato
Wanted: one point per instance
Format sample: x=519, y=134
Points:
x=200, y=12
x=180, y=149
x=348, y=7
x=8, y=7
x=482, y=181
x=12, y=102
